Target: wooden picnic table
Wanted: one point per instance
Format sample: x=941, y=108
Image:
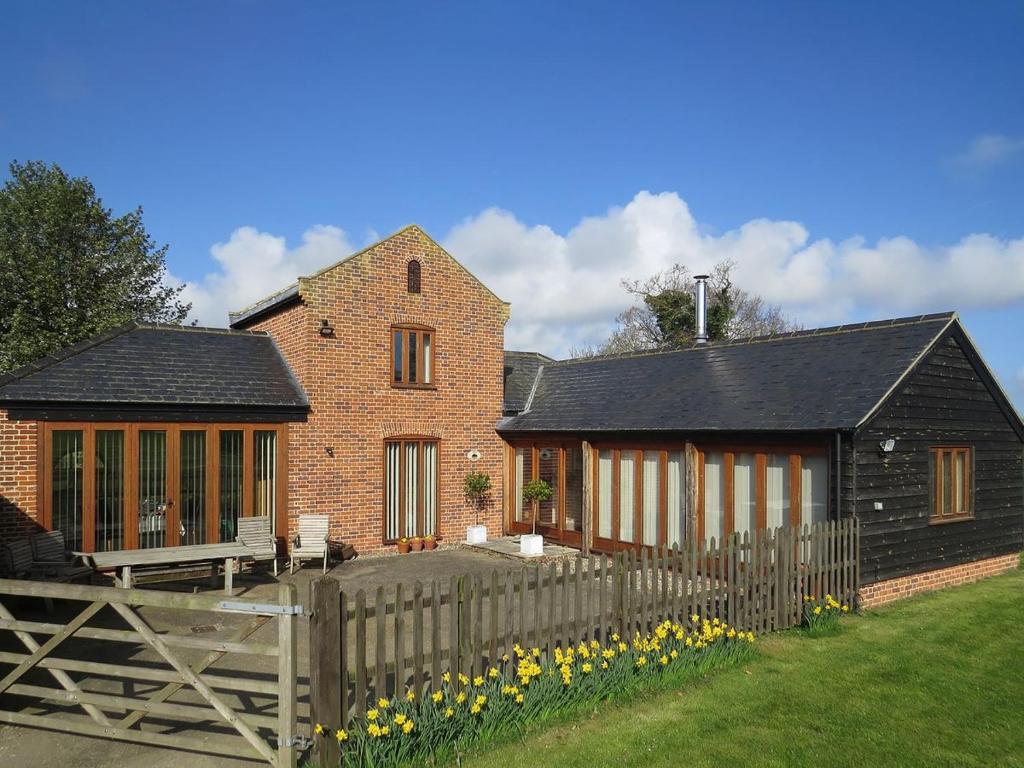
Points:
x=127, y=559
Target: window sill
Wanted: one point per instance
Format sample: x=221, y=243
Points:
x=950, y=519
x=395, y=385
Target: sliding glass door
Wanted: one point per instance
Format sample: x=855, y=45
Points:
x=560, y=465
x=126, y=486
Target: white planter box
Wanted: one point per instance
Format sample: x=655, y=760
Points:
x=476, y=534
x=531, y=544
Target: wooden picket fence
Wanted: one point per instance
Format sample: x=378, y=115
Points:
x=366, y=646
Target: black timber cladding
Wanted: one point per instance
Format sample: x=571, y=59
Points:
x=160, y=367
x=949, y=399
x=827, y=379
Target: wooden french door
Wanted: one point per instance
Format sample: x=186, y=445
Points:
x=115, y=486
x=560, y=465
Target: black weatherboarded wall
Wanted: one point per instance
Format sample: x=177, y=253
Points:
x=947, y=400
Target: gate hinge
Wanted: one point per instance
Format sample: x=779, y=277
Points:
x=268, y=608
x=302, y=742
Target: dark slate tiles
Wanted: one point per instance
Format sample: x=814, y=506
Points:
x=520, y=373
x=156, y=364
x=822, y=379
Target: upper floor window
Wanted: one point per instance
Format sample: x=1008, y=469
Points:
x=412, y=276
x=412, y=356
x=952, y=484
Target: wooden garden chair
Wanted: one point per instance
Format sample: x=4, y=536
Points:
x=311, y=542
x=50, y=554
x=257, y=534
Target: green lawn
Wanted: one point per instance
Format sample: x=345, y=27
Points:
x=934, y=681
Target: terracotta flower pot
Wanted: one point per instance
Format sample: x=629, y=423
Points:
x=430, y=543
x=404, y=546
x=417, y=544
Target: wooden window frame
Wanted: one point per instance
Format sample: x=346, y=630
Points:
x=936, y=490
x=531, y=470
x=760, y=452
x=414, y=276
x=402, y=441
x=638, y=449
x=406, y=329
x=44, y=448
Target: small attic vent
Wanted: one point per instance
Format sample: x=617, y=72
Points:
x=412, y=276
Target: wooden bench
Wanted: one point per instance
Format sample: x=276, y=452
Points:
x=165, y=560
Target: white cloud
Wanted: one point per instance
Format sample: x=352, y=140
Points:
x=989, y=150
x=254, y=264
x=565, y=288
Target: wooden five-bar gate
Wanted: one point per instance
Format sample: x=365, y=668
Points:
x=54, y=685
x=365, y=646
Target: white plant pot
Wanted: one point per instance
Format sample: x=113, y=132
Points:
x=476, y=534
x=531, y=544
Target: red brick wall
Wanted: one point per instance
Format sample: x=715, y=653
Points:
x=354, y=406
x=883, y=592
x=17, y=477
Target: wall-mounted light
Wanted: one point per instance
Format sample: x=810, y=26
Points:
x=473, y=454
x=326, y=329
x=887, y=446
x=329, y=450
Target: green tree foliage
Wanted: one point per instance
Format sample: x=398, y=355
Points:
x=71, y=269
x=665, y=314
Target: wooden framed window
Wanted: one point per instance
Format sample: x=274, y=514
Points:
x=412, y=356
x=952, y=483
x=412, y=276
x=560, y=464
x=112, y=486
x=410, y=487
x=746, y=488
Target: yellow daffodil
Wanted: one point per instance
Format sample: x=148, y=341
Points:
x=436, y=696
x=410, y=695
x=478, y=681
x=383, y=703
x=400, y=718
x=372, y=715
x=519, y=698
x=449, y=712
x=341, y=735
x=318, y=730
x=408, y=726
x=461, y=698
x=447, y=677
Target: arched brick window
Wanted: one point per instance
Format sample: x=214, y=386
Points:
x=412, y=276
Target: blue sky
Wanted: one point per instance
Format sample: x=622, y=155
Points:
x=854, y=160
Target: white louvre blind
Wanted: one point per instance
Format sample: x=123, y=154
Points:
x=393, y=496
x=676, y=498
x=411, y=487
x=429, y=489
x=813, y=489
x=777, y=490
x=627, y=495
x=521, y=515
x=650, y=497
x=604, y=494
x=744, y=493
x=714, y=496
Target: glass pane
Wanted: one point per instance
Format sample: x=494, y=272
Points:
x=411, y=378
x=777, y=490
x=627, y=495
x=192, y=509
x=152, y=488
x=573, y=488
x=265, y=475
x=947, y=473
x=412, y=469
x=676, y=492
x=744, y=494
x=547, y=470
x=651, y=497
x=604, y=494
x=66, y=482
x=523, y=473
x=398, y=356
x=427, y=360
x=109, y=490
x=230, y=482
x=813, y=490
x=392, y=494
x=959, y=505
x=714, y=496
x=429, y=489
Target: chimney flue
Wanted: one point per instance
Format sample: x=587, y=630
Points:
x=702, y=308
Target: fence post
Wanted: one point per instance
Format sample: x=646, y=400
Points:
x=287, y=682
x=325, y=667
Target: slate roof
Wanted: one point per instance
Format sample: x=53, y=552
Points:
x=824, y=379
x=520, y=373
x=161, y=365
